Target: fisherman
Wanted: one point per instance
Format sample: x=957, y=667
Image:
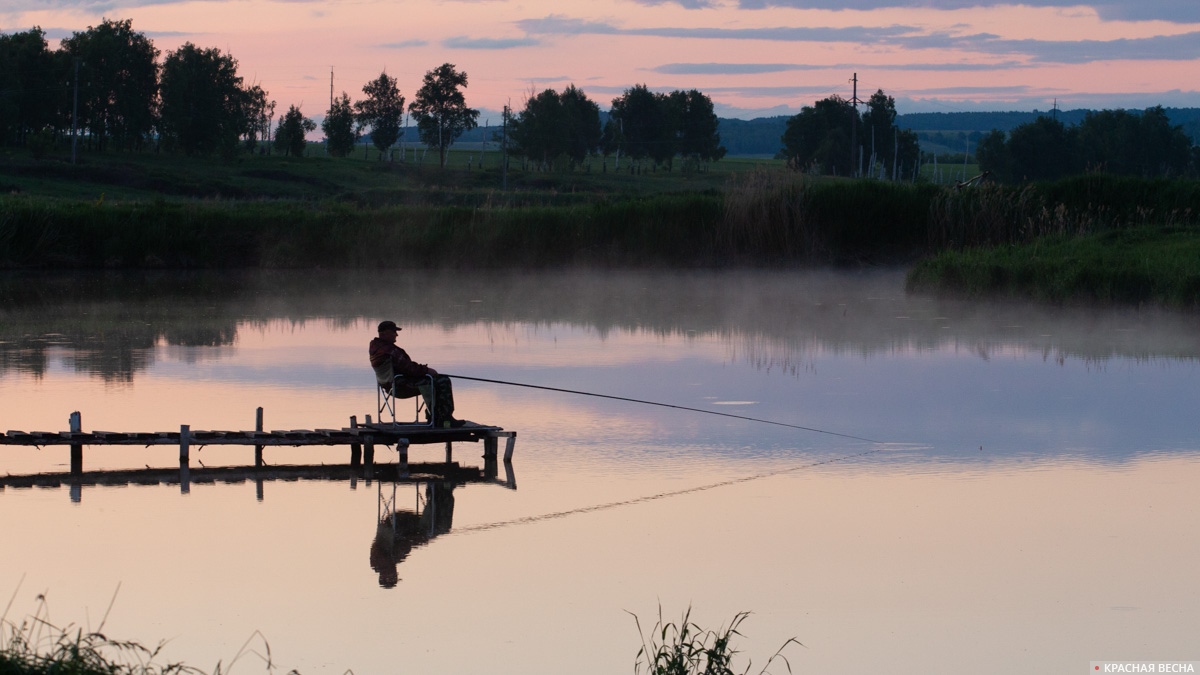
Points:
x=396, y=372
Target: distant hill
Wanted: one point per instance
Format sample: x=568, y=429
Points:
x=939, y=132
x=759, y=136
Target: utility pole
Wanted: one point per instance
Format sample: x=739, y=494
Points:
x=330, y=106
x=854, y=130
x=504, y=150
x=75, y=112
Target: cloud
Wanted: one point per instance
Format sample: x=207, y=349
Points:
x=62, y=33
x=686, y=4
x=98, y=6
x=404, y=44
x=796, y=91
x=759, y=68
x=1175, y=11
x=556, y=24
x=547, y=79
x=729, y=68
x=462, y=42
x=1171, y=47
x=1166, y=47
x=95, y=6
x=973, y=91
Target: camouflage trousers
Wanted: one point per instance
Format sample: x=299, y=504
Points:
x=441, y=399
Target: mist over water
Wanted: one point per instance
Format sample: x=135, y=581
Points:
x=1027, y=451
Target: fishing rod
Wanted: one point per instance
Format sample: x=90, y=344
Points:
x=664, y=405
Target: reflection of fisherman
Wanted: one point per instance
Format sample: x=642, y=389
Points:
x=398, y=533
x=393, y=366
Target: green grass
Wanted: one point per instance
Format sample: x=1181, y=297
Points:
x=662, y=229
x=948, y=174
x=35, y=646
x=147, y=176
x=685, y=648
x=1146, y=264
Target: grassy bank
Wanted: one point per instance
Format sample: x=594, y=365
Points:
x=150, y=211
x=667, y=229
x=993, y=214
x=1133, y=265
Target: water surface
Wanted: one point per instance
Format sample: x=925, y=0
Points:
x=1030, y=502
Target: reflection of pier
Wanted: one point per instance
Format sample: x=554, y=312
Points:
x=361, y=439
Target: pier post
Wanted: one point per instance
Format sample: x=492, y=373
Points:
x=402, y=451
x=490, y=468
x=184, y=443
x=355, y=448
x=508, y=446
x=76, y=448
x=449, y=446
x=258, y=460
x=510, y=477
x=369, y=447
x=185, y=476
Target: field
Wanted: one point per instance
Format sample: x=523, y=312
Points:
x=153, y=176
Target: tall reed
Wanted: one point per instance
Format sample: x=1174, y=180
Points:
x=992, y=214
x=762, y=217
x=685, y=648
x=779, y=215
x=35, y=646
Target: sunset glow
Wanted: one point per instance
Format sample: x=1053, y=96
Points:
x=753, y=57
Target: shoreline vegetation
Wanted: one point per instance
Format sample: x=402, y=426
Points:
x=37, y=647
x=1089, y=237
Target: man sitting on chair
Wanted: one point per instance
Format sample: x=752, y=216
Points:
x=394, y=368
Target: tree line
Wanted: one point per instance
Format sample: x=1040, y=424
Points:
x=106, y=86
x=1119, y=142
x=439, y=109
x=642, y=125
x=831, y=137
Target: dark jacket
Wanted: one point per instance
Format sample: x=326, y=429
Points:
x=382, y=352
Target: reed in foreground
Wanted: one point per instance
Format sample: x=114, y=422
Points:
x=35, y=646
x=687, y=649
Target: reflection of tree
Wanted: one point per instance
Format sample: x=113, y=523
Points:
x=109, y=323
x=112, y=350
x=398, y=532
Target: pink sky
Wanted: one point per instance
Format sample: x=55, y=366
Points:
x=753, y=57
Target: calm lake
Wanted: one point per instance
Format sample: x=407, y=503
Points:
x=1027, y=500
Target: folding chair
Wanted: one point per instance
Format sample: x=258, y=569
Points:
x=402, y=387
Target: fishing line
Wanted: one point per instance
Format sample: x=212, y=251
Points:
x=661, y=495
x=665, y=405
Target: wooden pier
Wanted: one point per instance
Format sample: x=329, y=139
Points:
x=361, y=438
